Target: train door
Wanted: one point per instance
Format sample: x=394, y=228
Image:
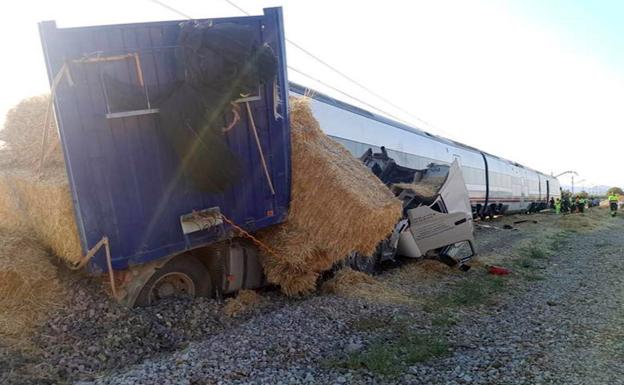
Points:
x=547, y=191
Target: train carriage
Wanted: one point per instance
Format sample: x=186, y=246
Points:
x=495, y=185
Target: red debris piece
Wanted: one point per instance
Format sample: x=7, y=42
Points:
x=497, y=270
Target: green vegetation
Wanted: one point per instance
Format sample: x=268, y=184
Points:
x=395, y=347
x=559, y=240
x=444, y=320
x=534, y=251
x=471, y=291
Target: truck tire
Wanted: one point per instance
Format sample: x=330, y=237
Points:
x=183, y=275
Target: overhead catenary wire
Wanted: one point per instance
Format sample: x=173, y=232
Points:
x=347, y=94
x=329, y=66
x=344, y=75
x=174, y=10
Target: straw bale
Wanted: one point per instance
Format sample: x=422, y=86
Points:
x=41, y=205
x=241, y=303
x=337, y=206
x=31, y=200
x=23, y=131
x=355, y=284
x=29, y=285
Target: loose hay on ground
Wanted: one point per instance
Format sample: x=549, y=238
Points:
x=241, y=303
x=422, y=271
x=337, y=206
x=355, y=284
x=29, y=285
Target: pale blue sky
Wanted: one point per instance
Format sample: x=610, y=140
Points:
x=595, y=27
x=538, y=82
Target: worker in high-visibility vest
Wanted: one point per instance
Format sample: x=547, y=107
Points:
x=613, y=203
x=558, y=206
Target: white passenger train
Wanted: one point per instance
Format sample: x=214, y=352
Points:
x=495, y=185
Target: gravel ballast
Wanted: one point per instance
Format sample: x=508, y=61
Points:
x=554, y=320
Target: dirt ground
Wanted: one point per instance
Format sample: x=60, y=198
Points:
x=556, y=319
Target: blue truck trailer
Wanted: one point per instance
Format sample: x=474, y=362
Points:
x=111, y=87
x=176, y=141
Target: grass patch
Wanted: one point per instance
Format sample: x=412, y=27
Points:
x=392, y=356
x=444, y=320
x=372, y=324
x=533, y=277
x=534, y=251
x=525, y=263
x=560, y=240
x=394, y=347
x=469, y=292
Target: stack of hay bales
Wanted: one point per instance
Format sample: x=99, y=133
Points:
x=337, y=206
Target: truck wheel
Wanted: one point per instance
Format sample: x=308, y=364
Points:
x=183, y=275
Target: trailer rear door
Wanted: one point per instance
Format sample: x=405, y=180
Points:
x=124, y=172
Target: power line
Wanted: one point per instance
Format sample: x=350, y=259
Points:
x=233, y=4
x=344, y=75
x=347, y=95
x=362, y=86
x=334, y=69
x=164, y=5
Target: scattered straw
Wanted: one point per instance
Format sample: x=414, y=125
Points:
x=355, y=284
x=29, y=286
x=241, y=303
x=337, y=206
x=427, y=270
x=426, y=188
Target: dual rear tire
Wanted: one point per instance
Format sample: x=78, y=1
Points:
x=183, y=275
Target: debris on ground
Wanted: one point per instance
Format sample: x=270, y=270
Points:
x=244, y=300
x=498, y=270
x=337, y=207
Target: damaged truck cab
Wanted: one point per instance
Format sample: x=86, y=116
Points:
x=437, y=217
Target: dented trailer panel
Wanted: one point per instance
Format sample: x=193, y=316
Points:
x=122, y=171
